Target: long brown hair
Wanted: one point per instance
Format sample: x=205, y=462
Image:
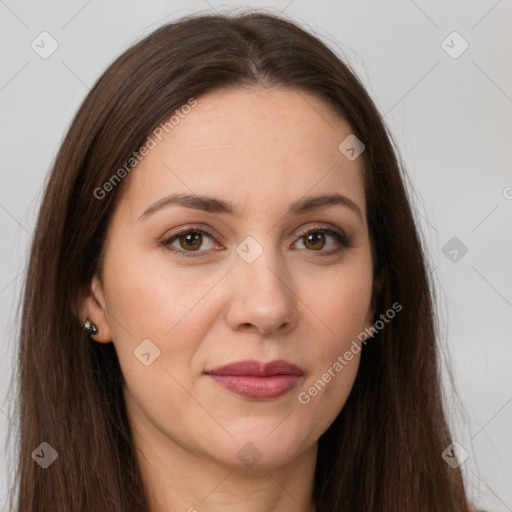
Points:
x=383, y=451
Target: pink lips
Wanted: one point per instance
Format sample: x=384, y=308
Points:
x=258, y=380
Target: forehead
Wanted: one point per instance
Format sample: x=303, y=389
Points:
x=249, y=145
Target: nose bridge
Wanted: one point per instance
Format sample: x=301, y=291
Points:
x=259, y=255
x=264, y=295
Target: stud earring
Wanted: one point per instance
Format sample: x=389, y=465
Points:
x=90, y=328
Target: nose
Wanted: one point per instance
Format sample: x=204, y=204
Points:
x=262, y=298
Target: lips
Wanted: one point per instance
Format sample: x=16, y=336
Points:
x=257, y=380
x=257, y=369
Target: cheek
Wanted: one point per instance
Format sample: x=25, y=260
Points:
x=324, y=395
x=335, y=355
x=338, y=302
x=148, y=298
x=146, y=295
x=168, y=307
x=337, y=308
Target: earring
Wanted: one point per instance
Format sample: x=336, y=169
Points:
x=90, y=328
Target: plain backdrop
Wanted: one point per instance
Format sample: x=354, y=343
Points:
x=447, y=106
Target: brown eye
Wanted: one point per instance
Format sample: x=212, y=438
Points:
x=188, y=241
x=314, y=240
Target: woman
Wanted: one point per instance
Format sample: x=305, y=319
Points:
x=227, y=305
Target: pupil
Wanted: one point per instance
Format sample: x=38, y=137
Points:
x=191, y=239
x=314, y=238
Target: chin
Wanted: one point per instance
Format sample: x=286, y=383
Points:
x=261, y=448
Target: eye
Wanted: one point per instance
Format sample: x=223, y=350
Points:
x=188, y=240
x=314, y=239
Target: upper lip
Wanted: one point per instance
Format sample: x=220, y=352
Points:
x=257, y=368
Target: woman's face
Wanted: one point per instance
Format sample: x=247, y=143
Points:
x=261, y=284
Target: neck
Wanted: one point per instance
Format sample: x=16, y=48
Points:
x=178, y=480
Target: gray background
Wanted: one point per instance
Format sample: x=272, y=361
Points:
x=450, y=118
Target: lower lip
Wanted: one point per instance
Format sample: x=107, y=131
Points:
x=258, y=388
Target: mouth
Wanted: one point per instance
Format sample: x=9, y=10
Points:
x=258, y=380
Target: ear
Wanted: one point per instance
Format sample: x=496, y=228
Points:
x=92, y=305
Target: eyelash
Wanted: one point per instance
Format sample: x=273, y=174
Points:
x=340, y=237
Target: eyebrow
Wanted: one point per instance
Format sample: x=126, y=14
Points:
x=217, y=206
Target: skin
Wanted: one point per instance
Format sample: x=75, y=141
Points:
x=260, y=149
